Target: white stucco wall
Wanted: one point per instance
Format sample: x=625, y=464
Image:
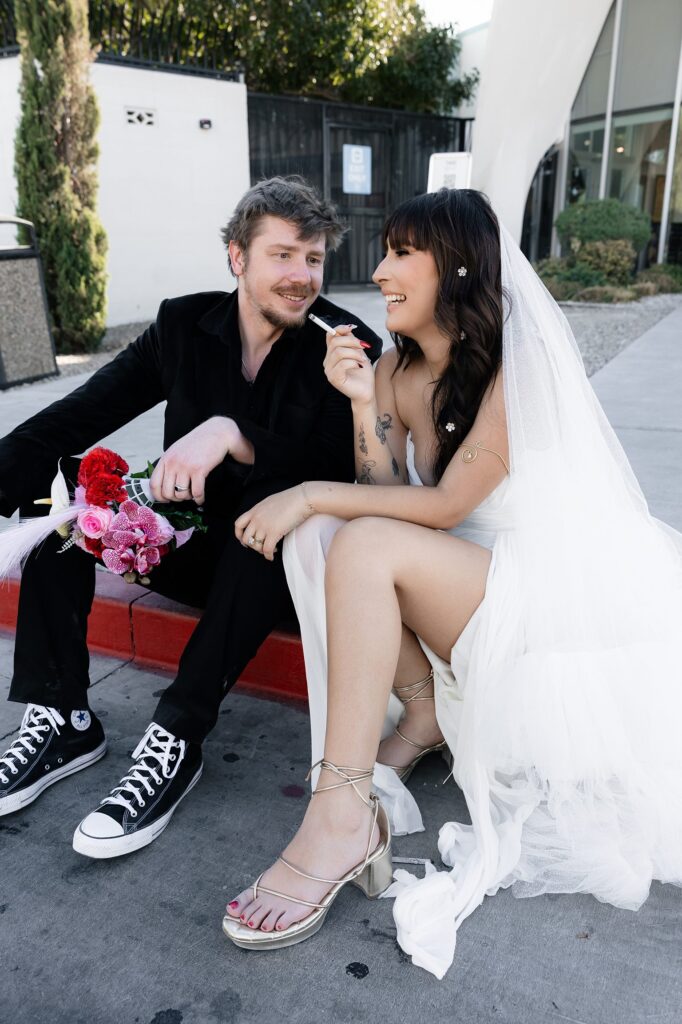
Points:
x=165, y=188
x=9, y=117
x=535, y=58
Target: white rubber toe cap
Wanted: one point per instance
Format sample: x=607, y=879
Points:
x=100, y=826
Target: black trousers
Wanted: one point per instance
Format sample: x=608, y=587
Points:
x=243, y=596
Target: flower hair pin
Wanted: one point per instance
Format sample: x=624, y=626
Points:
x=462, y=271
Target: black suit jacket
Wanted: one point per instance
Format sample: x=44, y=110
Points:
x=190, y=357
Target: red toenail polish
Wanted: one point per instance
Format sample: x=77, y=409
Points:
x=233, y=904
x=251, y=925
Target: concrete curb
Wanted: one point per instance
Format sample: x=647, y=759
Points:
x=129, y=622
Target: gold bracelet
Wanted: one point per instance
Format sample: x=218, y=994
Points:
x=470, y=453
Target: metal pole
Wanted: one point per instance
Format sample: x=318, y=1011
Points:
x=608, y=117
x=670, y=168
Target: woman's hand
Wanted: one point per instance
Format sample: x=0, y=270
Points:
x=347, y=367
x=263, y=526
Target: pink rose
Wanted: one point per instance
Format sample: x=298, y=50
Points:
x=94, y=522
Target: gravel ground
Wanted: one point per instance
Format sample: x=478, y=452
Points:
x=601, y=330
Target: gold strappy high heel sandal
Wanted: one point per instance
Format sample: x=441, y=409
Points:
x=403, y=772
x=373, y=875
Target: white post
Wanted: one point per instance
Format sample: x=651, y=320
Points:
x=608, y=117
x=670, y=169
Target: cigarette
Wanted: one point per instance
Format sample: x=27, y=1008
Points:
x=321, y=323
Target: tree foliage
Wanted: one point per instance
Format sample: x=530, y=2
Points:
x=380, y=52
x=55, y=164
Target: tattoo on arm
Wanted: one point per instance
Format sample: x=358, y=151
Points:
x=365, y=476
x=362, y=441
x=395, y=468
x=382, y=425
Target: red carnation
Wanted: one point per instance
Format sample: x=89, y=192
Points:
x=95, y=547
x=100, y=461
x=104, y=488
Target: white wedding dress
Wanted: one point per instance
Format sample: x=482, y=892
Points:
x=562, y=701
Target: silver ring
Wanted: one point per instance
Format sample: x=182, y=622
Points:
x=185, y=488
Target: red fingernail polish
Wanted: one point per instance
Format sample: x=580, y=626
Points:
x=365, y=344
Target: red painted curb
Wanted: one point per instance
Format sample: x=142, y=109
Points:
x=130, y=622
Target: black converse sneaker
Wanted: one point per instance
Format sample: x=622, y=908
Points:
x=48, y=748
x=139, y=808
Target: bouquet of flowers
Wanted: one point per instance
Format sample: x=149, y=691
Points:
x=112, y=516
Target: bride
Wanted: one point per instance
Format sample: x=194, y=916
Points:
x=501, y=526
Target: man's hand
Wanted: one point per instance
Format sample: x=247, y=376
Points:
x=180, y=474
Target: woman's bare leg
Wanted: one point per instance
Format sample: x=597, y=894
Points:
x=419, y=721
x=380, y=573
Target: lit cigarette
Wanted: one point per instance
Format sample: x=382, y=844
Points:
x=322, y=324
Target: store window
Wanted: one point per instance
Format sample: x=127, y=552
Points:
x=674, y=246
x=585, y=149
x=637, y=165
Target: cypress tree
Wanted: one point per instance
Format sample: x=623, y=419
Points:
x=55, y=164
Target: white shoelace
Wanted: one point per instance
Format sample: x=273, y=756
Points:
x=37, y=719
x=154, y=752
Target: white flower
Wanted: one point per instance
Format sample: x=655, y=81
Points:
x=462, y=271
x=449, y=427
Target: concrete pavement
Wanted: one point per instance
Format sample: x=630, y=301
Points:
x=137, y=940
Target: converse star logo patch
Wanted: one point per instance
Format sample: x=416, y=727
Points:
x=80, y=720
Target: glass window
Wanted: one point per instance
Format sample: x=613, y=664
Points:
x=675, y=223
x=591, y=98
x=638, y=156
x=586, y=143
x=649, y=49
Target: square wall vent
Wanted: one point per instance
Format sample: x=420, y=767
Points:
x=141, y=116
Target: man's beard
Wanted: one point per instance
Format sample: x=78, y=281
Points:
x=276, y=319
x=281, y=322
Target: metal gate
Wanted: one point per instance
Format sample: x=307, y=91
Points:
x=365, y=159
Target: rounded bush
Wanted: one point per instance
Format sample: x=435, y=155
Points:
x=606, y=293
x=599, y=220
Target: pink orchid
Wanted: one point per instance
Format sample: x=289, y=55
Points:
x=139, y=525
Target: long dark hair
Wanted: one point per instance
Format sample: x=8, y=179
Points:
x=460, y=230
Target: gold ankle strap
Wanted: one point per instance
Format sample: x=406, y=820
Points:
x=363, y=774
x=421, y=683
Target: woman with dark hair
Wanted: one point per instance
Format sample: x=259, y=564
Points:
x=514, y=595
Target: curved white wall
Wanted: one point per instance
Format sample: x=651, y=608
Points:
x=535, y=58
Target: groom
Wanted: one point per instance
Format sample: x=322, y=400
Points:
x=249, y=412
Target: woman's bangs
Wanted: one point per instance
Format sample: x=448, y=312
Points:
x=407, y=225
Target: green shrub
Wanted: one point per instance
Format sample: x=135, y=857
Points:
x=563, y=279
x=643, y=289
x=599, y=220
x=614, y=259
x=55, y=162
x=605, y=293
x=668, y=276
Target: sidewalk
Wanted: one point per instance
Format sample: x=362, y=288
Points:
x=137, y=940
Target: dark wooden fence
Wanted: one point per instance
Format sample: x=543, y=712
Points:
x=293, y=135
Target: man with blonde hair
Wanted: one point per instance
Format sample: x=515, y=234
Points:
x=249, y=412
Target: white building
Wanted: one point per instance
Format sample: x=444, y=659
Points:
x=559, y=79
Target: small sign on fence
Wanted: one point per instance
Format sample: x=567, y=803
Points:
x=357, y=170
